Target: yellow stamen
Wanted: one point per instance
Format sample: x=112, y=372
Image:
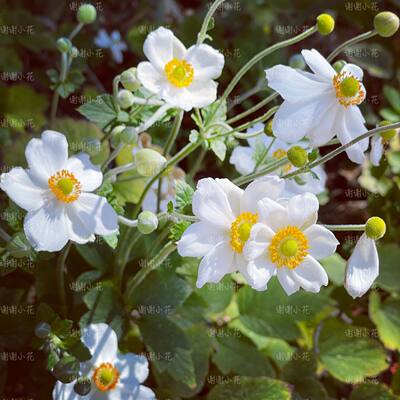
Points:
x=65, y=186
x=179, y=72
x=280, y=153
x=106, y=377
x=240, y=230
x=288, y=247
x=348, y=89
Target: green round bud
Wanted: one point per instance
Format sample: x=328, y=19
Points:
x=129, y=135
x=325, y=24
x=375, y=228
x=268, y=129
x=129, y=79
x=149, y=162
x=86, y=14
x=297, y=61
x=74, y=52
x=83, y=386
x=42, y=330
x=297, y=156
x=125, y=98
x=64, y=45
x=386, y=23
x=338, y=65
x=389, y=134
x=147, y=222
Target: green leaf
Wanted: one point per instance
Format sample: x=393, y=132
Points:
x=389, y=114
x=236, y=354
x=349, y=359
x=389, y=273
x=335, y=266
x=101, y=111
x=177, y=230
x=393, y=96
x=112, y=240
x=251, y=389
x=61, y=327
x=218, y=147
x=67, y=369
x=168, y=342
x=372, y=391
x=184, y=194
x=217, y=295
x=386, y=317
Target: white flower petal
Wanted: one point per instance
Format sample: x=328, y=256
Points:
x=151, y=78
x=258, y=272
x=318, y=64
x=287, y=282
x=362, y=267
x=309, y=183
x=47, y=155
x=132, y=368
x=47, y=227
x=273, y=214
x=202, y=93
x=354, y=70
x=242, y=159
x=141, y=393
x=310, y=275
x=199, y=239
x=22, y=190
x=216, y=264
x=322, y=242
x=233, y=193
x=102, y=342
x=258, y=242
x=267, y=186
x=88, y=174
x=91, y=207
x=207, y=62
x=376, y=150
x=294, y=86
x=303, y=210
x=211, y=204
x=161, y=46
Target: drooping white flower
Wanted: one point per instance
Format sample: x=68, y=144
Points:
x=320, y=105
x=184, y=78
x=287, y=242
x=55, y=190
x=376, y=150
x=227, y=214
x=112, y=42
x=363, y=265
x=113, y=376
x=245, y=158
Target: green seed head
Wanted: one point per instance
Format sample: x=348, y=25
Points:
x=86, y=14
x=349, y=86
x=244, y=231
x=325, y=24
x=66, y=185
x=386, y=23
x=375, y=228
x=268, y=129
x=297, y=156
x=289, y=248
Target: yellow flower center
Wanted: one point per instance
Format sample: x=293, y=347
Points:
x=65, y=186
x=179, y=72
x=106, y=377
x=348, y=89
x=280, y=153
x=240, y=230
x=288, y=247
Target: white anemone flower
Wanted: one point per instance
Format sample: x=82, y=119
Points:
x=244, y=158
x=320, y=105
x=184, y=78
x=112, y=42
x=55, y=191
x=287, y=242
x=113, y=376
x=377, y=150
x=363, y=265
x=227, y=214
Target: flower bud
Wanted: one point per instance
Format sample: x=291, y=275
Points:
x=42, y=330
x=64, y=45
x=83, y=386
x=268, y=129
x=375, y=228
x=389, y=134
x=386, y=23
x=74, y=52
x=297, y=61
x=147, y=222
x=325, y=24
x=149, y=162
x=129, y=135
x=125, y=98
x=297, y=156
x=129, y=79
x=86, y=14
x=338, y=65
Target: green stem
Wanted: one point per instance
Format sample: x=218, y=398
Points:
x=204, y=28
x=341, y=149
x=61, y=277
x=345, y=228
x=56, y=96
x=75, y=31
x=354, y=40
x=266, y=151
x=4, y=235
x=197, y=164
x=151, y=266
x=116, y=82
